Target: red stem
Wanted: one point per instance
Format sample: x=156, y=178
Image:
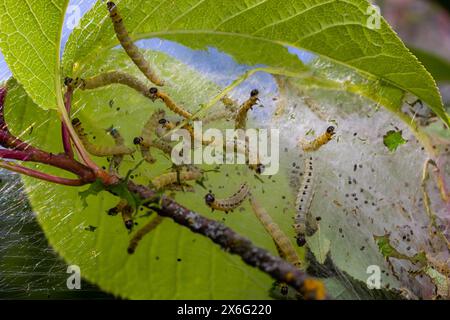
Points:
x=64, y=131
x=14, y=154
x=40, y=175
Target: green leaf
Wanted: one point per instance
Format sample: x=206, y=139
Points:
x=437, y=66
x=154, y=271
x=30, y=34
x=257, y=32
x=393, y=139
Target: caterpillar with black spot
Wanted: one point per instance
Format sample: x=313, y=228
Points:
x=171, y=178
x=146, y=139
x=119, y=141
x=314, y=145
x=106, y=79
x=147, y=228
x=284, y=245
x=303, y=221
x=130, y=48
x=127, y=213
x=99, y=151
x=241, y=115
x=230, y=203
x=155, y=94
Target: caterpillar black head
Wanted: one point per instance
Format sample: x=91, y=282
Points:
x=110, y=5
x=254, y=93
x=129, y=224
x=113, y=211
x=68, y=81
x=301, y=241
x=137, y=140
x=153, y=90
x=260, y=168
x=209, y=198
x=330, y=130
x=162, y=121
x=75, y=121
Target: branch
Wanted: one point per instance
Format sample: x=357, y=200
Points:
x=232, y=242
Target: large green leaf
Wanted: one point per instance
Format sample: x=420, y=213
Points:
x=30, y=33
x=258, y=31
x=437, y=66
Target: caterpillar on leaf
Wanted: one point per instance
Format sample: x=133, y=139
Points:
x=119, y=141
x=106, y=79
x=284, y=245
x=99, y=151
x=241, y=115
x=155, y=94
x=147, y=228
x=314, y=145
x=171, y=178
x=230, y=203
x=303, y=222
x=130, y=48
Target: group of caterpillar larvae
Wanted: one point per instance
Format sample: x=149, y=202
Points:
x=166, y=181
x=239, y=115
x=282, y=242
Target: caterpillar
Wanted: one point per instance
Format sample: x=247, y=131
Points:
x=106, y=79
x=282, y=242
x=99, y=151
x=146, y=139
x=168, y=125
x=130, y=48
x=321, y=140
x=120, y=141
x=150, y=126
x=147, y=228
x=158, y=94
x=170, y=178
x=241, y=115
x=127, y=213
x=145, y=148
x=230, y=203
x=303, y=221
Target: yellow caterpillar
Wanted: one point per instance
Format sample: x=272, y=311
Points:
x=167, y=179
x=106, y=79
x=99, y=151
x=303, y=221
x=156, y=221
x=282, y=242
x=230, y=203
x=146, y=139
x=120, y=141
x=129, y=47
x=241, y=115
x=158, y=94
x=321, y=140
